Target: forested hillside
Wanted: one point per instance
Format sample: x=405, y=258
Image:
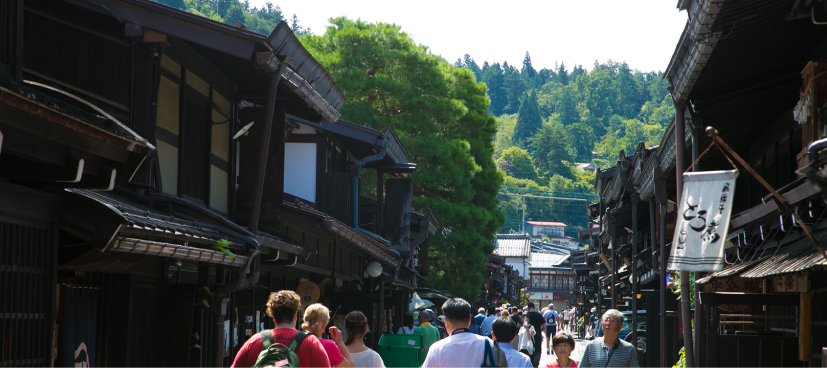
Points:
x=261, y=20
x=552, y=119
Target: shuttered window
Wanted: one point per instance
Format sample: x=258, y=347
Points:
x=195, y=150
x=27, y=259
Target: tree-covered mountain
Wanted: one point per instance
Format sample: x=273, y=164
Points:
x=261, y=20
x=552, y=119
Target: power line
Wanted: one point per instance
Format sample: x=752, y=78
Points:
x=557, y=198
x=555, y=193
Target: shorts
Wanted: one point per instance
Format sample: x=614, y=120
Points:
x=550, y=331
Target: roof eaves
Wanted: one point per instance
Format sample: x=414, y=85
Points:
x=323, y=91
x=693, y=49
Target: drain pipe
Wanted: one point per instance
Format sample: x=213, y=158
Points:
x=243, y=278
x=218, y=303
x=354, y=172
x=813, y=150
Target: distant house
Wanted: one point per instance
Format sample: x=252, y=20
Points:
x=551, y=229
x=516, y=250
x=550, y=279
x=585, y=167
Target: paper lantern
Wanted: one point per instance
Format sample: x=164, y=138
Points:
x=374, y=269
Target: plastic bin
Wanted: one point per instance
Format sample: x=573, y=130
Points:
x=401, y=350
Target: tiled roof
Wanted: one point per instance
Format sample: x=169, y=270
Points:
x=375, y=246
x=545, y=223
x=512, y=245
x=145, y=221
x=731, y=270
x=547, y=260
x=799, y=256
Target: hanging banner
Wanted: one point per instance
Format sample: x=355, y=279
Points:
x=78, y=326
x=703, y=221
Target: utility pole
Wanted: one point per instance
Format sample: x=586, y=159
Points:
x=523, y=223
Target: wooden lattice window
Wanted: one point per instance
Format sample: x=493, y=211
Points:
x=27, y=261
x=194, y=150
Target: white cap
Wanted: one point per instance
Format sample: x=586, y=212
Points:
x=594, y=310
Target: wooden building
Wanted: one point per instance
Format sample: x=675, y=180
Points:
x=753, y=71
x=162, y=173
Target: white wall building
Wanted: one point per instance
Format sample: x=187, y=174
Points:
x=516, y=249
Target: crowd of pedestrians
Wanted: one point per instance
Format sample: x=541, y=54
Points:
x=510, y=337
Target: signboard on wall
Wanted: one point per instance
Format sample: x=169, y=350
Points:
x=542, y=296
x=308, y=292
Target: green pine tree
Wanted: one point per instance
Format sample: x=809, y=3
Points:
x=493, y=78
x=440, y=113
x=528, y=120
x=528, y=72
x=551, y=151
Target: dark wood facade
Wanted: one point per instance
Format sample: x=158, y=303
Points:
x=120, y=174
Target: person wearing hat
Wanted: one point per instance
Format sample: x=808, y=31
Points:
x=440, y=325
x=592, y=321
x=430, y=334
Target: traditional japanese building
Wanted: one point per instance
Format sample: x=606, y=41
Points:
x=162, y=173
x=753, y=72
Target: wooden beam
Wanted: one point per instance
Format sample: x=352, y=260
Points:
x=154, y=36
x=71, y=172
x=720, y=298
x=804, y=329
x=105, y=181
x=606, y=262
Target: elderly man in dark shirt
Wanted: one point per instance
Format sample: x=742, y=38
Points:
x=609, y=350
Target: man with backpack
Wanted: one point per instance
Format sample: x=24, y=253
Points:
x=551, y=325
x=536, y=320
x=283, y=346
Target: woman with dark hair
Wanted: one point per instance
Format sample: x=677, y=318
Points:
x=407, y=325
x=316, y=318
x=563, y=345
x=356, y=326
x=283, y=306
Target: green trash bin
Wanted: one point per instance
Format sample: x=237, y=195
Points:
x=401, y=350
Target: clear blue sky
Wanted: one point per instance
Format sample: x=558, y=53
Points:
x=643, y=33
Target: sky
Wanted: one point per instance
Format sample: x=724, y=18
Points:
x=643, y=33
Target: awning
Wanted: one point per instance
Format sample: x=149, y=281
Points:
x=799, y=256
x=311, y=220
x=111, y=222
x=730, y=271
x=431, y=294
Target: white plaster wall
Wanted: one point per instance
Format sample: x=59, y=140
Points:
x=300, y=170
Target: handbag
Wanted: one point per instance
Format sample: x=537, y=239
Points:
x=488, y=359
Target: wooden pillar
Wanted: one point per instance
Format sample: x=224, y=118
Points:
x=804, y=329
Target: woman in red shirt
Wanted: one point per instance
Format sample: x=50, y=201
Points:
x=283, y=306
x=316, y=318
x=563, y=344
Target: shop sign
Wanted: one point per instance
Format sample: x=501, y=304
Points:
x=542, y=296
x=308, y=292
x=703, y=221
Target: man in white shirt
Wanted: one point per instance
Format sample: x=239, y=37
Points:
x=461, y=348
x=505, y=330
